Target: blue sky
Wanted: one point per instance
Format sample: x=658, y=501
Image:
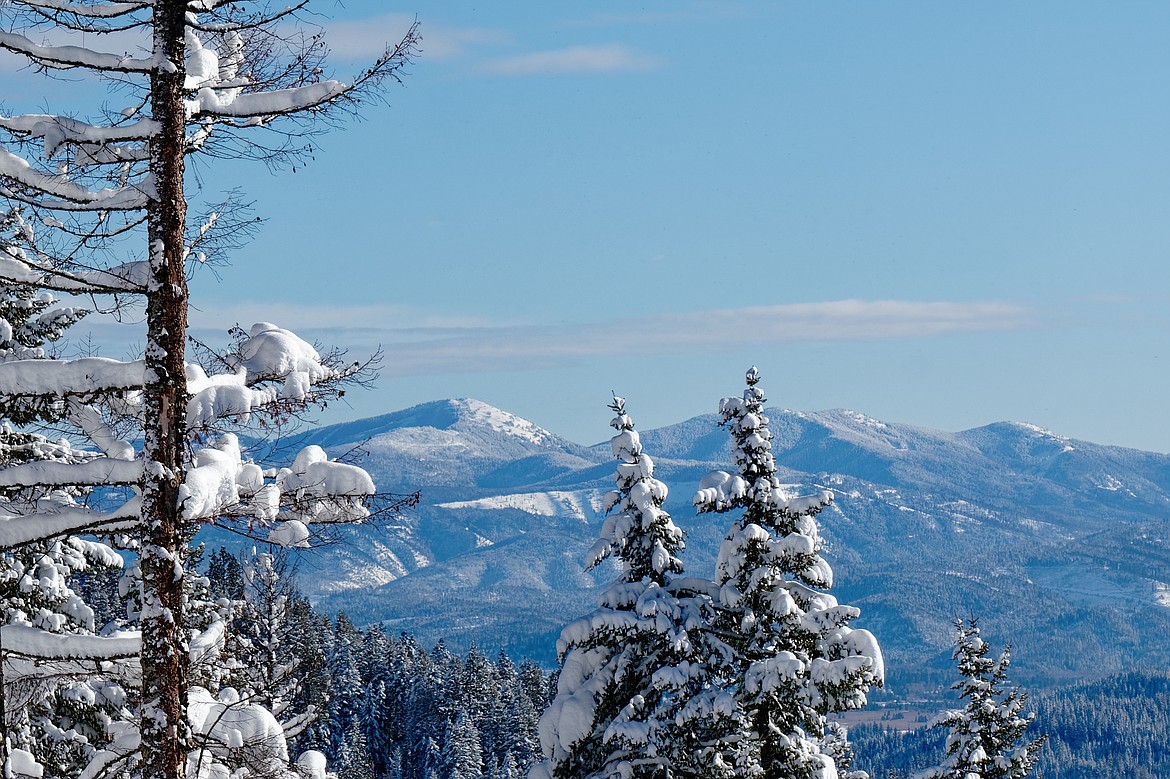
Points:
x=945, y=214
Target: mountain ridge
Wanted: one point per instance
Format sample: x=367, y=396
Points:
x=1060, y=544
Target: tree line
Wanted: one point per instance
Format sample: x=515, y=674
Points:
x=1117, y=726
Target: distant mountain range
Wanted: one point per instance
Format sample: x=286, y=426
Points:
x=1061, y=547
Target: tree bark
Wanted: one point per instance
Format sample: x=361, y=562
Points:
x=165, y=730
x=3, y=714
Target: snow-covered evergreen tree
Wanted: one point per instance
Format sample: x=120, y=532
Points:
x=518, y=723
x=104, y=187
x=272, y=673
x=353, y=755
x=620, y=661
x=346, y=684
x=836, y=745
x=795, y=657
x=479, y=687
x=308, y=634
x=461, y=751
x=58, y=713
x=987, y=738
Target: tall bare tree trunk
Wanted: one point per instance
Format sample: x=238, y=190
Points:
x=3, y=714
x=165, y=730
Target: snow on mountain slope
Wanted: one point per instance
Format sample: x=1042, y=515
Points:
x=1062, y=547
x=443, y=443
x=583, y=505
x=503, y=422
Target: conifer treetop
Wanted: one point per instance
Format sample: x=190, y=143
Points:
x=794, y=658
x=638, y=531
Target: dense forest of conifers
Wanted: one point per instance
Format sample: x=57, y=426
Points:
x=1114, y=727
x=391, y=708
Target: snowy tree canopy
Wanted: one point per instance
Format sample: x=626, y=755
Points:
x=64, y=675
x=795, y=658
x=986, y=739
x=624, y=663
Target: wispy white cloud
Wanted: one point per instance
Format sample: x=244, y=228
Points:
x=575, y=59
x=363, y=39
x=419, y=341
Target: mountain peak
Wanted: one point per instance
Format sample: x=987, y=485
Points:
x=475, y=412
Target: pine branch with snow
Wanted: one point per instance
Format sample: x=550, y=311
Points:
x=60, y=704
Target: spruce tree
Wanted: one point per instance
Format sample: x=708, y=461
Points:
x=836, y=745
x=346, y=682
x=272, y=675
x=987, y=737
x=619, y=661
x=461, y=751
x=794, y=659
x=309, y=634
x=58, y=712
x=353, y=759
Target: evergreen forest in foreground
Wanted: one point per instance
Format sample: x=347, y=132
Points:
x=394, y=709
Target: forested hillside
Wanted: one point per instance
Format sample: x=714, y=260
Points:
x=1114, y=727
x=374, y=703
x=396, y=708
x=1057, y=544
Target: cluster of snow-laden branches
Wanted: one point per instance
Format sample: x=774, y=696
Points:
x=102, y=399
x=678, y=676
x=94, y=203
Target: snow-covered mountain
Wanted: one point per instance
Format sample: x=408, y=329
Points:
x=1062, y=547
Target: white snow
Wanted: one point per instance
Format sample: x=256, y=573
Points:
x=1162, y=594
x=100, y=470
x=718, y=489
x=577, y=504
x=503, y=422
x=128, y=276
x=69, y=56
x=103, y=11
x=54, y=130
x=21, y=763
x=222, y=396
x=229, y=723
x=1111, y=483
x=210, y=487
x=73, y=196
x=273, y=352
x=291, y=533
x=31, y=642
x=61, y=377
x=211, y=102
x=311, y=764
x=314, y=473
x=21, y=529
x=93, y=424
